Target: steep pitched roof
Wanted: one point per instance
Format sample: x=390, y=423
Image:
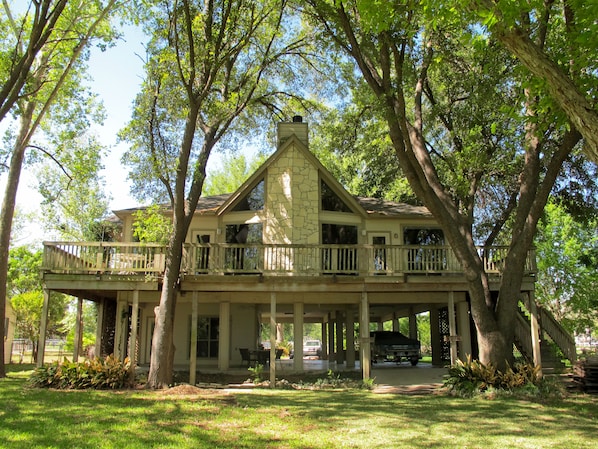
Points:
x=293, y=141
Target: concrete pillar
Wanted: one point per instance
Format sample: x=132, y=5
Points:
x=340, y=355
x=396, y=327
x=412, y=324
x=120, y=333
x=435, y=336
x=331, y=320
x=464, y=330
x=273, y=340
x=224, y=337
x=133, y=336
x=364, y=336
x=452, y=327
x=43, y=326
x=325, y=338
x=298, y=309
x=193, y=342
x=78, y=330
x=535, y=331
x=350, y=332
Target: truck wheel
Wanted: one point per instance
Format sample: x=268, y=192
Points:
x=414, y=361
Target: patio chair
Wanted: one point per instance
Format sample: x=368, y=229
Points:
x=246, y=356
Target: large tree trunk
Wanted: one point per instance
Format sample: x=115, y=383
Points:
x=7, y=215
x=162, y=356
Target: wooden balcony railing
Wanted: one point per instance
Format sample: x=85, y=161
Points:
x=273, y=260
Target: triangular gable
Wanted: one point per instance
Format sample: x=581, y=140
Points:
x=260, y=174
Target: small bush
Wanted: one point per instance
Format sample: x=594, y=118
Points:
x=472, y=377
x=98, y=373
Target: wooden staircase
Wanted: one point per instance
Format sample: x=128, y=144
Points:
x=553, y=337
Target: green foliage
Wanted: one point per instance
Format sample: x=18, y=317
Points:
x=24, y=264
x=472, y=378
x=151, y=225
x=234, y=171
x=28, y=308
x=566, y=249
x=256, y=372
x=99, y=374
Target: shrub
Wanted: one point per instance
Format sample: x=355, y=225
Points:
x=98, y=373
x=472, y=377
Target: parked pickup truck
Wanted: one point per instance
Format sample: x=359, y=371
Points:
x=390, y=346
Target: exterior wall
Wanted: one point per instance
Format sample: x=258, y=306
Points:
x=292, y=200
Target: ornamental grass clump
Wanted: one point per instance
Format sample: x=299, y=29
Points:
x=98, y=373
x=473, y=378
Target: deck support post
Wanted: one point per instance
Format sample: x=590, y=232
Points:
x=396, y=327
x=193, y=342
x=133, y=335
x=464, y=330
x=41, y=343
x=224, y=342
x=535, y=331
x=121, y=328
x=78, y=330
x=324, y=339
x=331, y=320
x=272, y=340
x=364, y=336
x=101, y=312
x=340, y=355
x=452, y=327
x=412, y=324
x=435, y=335
x=350, y=332
x=298, y=309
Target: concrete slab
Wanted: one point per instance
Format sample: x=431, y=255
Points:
x=404, y=378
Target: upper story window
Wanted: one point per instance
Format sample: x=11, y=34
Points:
x=331, y=201
x=244, y=233
x=254, y=200
x=423, y=236
x=337, y=234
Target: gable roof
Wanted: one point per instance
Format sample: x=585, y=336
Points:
x=293, y=141
x=372, y=206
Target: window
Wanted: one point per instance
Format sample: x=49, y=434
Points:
x=244, y=254
x=208, y=330
x=331, y=201
x=422, y=259
x=254, y=200
x=423, y=236
x=203, y=252
x=339, y=260
x=379, y=241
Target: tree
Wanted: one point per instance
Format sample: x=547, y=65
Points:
x=26, y=296
x=208, y=64
x=397, y=48
x=41, y=80
x=567, y=251
x=74, y=200
x=234, y=171
x=568, y=65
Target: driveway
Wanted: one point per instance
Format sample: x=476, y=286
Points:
x=404, y=378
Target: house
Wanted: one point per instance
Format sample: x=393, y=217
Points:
x=290, y=245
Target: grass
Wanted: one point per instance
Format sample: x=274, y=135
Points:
x=186, y=417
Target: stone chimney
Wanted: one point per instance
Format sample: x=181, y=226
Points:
x=296, y=127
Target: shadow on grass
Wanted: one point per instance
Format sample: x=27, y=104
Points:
x=289, y=419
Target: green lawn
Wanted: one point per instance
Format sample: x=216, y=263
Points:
x=33, y=418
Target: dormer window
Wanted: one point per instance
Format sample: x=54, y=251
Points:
x=254, y=200
x=331, y=201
